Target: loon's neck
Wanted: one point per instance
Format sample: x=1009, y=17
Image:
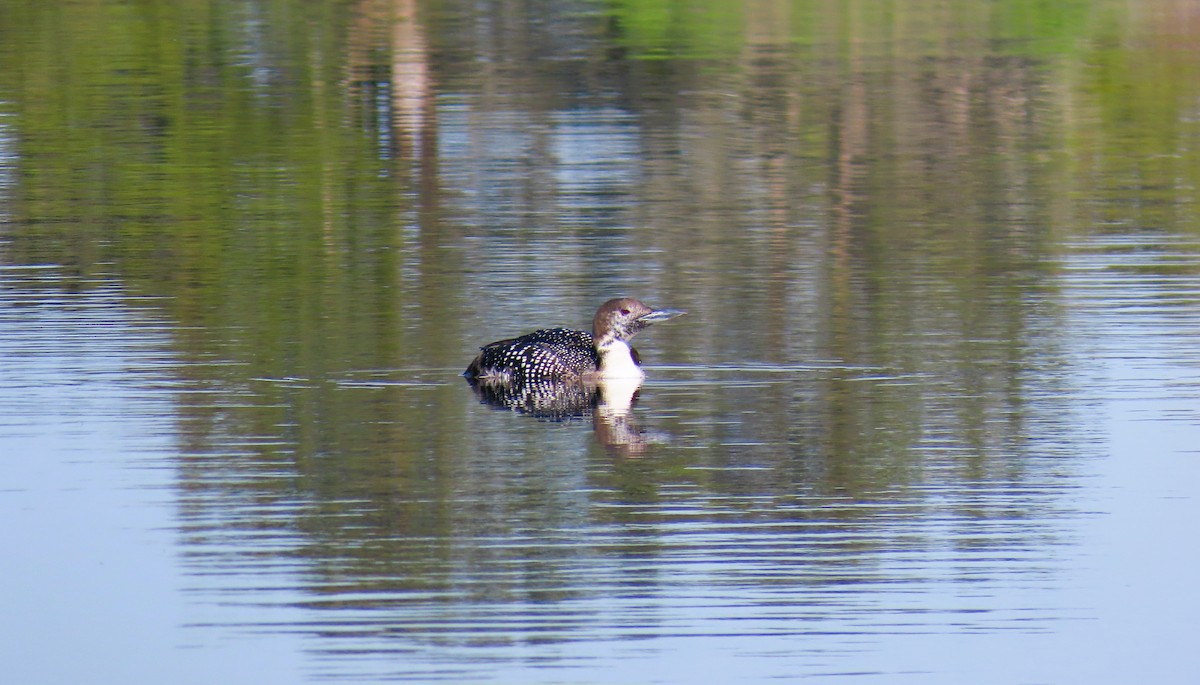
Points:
x=616, y=360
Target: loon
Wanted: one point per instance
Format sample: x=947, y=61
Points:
x=562, y=354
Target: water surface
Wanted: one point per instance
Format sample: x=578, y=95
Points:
x=931, y=417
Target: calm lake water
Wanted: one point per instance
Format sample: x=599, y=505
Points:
x=933, y=415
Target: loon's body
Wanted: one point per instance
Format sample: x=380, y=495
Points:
x=562, y=354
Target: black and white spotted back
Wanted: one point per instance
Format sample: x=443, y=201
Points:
x=547, y=354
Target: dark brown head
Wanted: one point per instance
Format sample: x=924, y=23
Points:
x=621, y=319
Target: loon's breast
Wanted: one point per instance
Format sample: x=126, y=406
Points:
x=548, y=354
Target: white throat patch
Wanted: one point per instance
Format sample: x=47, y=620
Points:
x=616, y=361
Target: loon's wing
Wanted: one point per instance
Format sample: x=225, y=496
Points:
x=545, y=354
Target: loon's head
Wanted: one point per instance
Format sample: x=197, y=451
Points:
x=621, y=319
x=616, y=322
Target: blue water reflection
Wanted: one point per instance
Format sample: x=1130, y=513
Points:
x=932, y=417
x=90, y=494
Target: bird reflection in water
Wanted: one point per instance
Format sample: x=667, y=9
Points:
x=609, y=403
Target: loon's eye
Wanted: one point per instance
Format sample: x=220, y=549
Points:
x=625, y=312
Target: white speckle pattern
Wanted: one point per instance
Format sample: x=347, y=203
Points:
x=548, y=354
